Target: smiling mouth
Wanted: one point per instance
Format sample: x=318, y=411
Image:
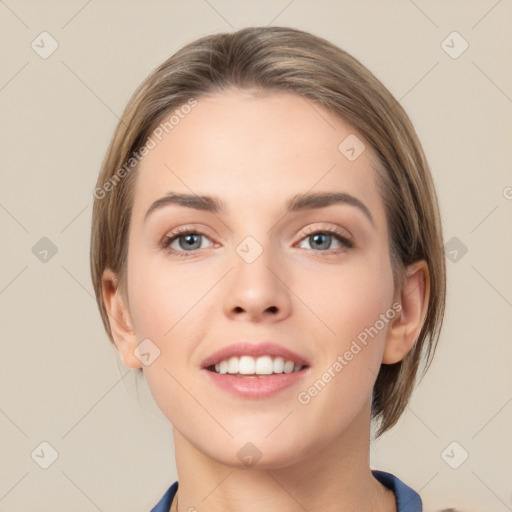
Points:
x=250, y=367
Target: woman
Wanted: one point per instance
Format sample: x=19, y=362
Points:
x=267, y=249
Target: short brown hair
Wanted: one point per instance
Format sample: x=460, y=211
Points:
x=283, y=59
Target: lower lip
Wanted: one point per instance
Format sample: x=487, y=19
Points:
x=256, y=387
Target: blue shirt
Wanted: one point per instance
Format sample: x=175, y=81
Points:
x=407, y=500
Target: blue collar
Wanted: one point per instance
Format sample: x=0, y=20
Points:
x=407, y=500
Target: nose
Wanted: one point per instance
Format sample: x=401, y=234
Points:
x=257, y=291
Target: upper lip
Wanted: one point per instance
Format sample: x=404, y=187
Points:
x=245, y=348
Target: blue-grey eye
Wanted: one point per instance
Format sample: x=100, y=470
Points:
x=320, y=240
x=323, y=240
x=190, y=241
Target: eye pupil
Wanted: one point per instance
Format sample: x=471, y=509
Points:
x=191, y=240
x=321, y=237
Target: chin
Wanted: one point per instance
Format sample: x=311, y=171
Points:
x=258, y=454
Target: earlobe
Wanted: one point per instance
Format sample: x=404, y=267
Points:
x=120, y=321
x=406, y=328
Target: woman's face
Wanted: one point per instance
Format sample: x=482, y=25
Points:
x=257, y=270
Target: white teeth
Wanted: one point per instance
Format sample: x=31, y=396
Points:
x=264, y=365
x=246, y=365
x=288, y=366
x=233, y=364
x=223, y=367
x=278, y=365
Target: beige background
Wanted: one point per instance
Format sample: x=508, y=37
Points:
x=61, y=381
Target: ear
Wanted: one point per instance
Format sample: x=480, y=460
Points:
x=405, y=330
x=120, y=321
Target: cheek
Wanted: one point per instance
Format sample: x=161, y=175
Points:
x=350, y=298
x=169, y=390
x=162, y=296
x=350, y=356
x=166, y=307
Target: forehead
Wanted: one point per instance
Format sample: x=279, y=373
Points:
x=255, y=151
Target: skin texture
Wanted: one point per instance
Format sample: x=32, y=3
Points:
x=254, y=152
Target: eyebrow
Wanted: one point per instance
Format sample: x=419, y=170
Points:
x=297, y=203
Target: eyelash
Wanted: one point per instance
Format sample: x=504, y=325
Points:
x=168, y=240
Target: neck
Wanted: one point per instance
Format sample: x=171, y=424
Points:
x=333, y=477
